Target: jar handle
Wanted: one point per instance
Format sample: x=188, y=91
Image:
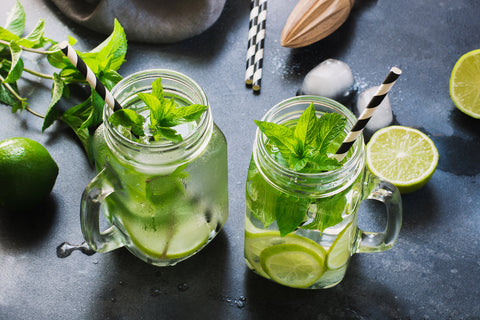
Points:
x=94, y=195
x=388, y=194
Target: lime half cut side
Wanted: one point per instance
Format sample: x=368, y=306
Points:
x=292, y=265
x=404, y=156
x=465, y=83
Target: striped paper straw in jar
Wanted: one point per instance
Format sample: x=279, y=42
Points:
x=88, y=74
x=363, y=119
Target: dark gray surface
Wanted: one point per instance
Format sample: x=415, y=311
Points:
x=432, y=273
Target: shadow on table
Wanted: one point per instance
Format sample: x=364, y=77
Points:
x=21, y=230
x=133, y=289
x=356, y=297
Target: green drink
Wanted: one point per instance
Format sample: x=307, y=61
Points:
x=164, y=200
x=301, y=227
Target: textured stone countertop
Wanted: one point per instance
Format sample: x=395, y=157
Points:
x=433, y=272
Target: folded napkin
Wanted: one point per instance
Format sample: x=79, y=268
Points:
x=154, y=21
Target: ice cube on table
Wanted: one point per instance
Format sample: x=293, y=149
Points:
x=332, y=79
x=382, y=116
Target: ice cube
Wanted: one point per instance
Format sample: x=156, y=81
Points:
x=332, y=79
x=383, y=115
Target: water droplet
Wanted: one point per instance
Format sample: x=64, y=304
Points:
x=113, y=299
x=65, y=249
x=183, y=287
x=155, y=292
x=95, y=261
x=240, y=302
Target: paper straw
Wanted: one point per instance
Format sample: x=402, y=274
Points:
x=252, y=36
x=88, y=74
x=260, y=43
x=362, y=121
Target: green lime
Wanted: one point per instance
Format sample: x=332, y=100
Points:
x=403, y=156
x=27, y=173
x=465, y=83
x=340, y=250
x=293, y=265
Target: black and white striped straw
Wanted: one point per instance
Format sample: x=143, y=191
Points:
x=260, y=43
x=362, y=121
x=91, y=78
x=252, y=36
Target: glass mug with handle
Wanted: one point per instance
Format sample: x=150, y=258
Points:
x=317, y=253
x=164, y=201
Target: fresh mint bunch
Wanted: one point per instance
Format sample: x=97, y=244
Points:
x=305, y=147
x=104, y=60
x=164, y=114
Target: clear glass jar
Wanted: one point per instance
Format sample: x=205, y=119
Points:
x=328, y=202
x=165, y=201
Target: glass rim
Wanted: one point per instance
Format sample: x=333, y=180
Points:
x=158, y=73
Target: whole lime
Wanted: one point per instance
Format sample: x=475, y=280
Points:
x=27, y=173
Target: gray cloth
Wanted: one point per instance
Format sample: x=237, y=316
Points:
x=154, y=21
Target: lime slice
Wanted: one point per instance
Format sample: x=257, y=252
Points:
x=340, y=250
x=256, y=243
x=169, y=241
x=292, y=265
x=465, y=84
x=403, y=156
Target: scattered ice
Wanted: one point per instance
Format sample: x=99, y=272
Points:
x=332, y=79
x=383, y=115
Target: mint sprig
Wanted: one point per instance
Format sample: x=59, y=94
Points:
x=104, y=60
x=164, y=115
x=306, y=147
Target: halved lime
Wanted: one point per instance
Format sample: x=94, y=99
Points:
x=403, y=156
x=340, y=250
x=292, y=265
x=465, y=83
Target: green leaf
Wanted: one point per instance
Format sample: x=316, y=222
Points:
x=281, y=135
x=57, y=92
x=95, y=117
x=16, y=67
x=189, y=113
x=110, y=78
x=155, y=106
x=157, y=89
x=291, y=213
x=7, y=35
x=306, y=125
x=129, y=119
x=328, y=212
x=16, y=20
x=330, y=125
x=35, y=38
x=114, y=48
x=167, y=133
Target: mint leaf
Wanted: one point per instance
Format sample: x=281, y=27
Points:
x=188, y=113
x=16, y=19
x=282, y=136
x=129, y=119
x=57, y=91
x=16, y=67
x=306, y=125
x=328, y=212
x=114, y=48
x=291, y=213
x=330, y=125
x=35, y=38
